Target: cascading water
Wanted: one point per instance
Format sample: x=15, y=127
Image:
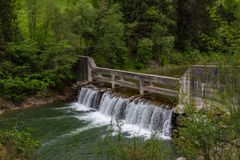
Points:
x=136, y=114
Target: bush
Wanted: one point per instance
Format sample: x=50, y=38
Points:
x=29, y=70
x=16, y=144
x=118, y=148
x=136, y=150
x=16, y=88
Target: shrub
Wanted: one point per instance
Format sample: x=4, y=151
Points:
x=119, y=148
x=16, y=88
x=16, y=144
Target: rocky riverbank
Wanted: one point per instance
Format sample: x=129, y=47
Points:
x=30, y=101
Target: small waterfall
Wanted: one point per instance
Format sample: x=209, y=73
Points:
x=89, y=97
x=150, y=117
x=156, y=119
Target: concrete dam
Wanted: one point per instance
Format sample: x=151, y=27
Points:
x=197, y=84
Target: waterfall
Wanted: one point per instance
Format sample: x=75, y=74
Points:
x=156, y=119
x=89, y=97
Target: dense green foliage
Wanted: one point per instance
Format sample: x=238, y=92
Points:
x=17, y=145
x=39, y=39
x=210, y=136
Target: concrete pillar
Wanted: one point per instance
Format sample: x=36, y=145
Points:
x=90, y=76
x=151, y=84
x=141, y=87
x=90, y=65
x=113, y=81
x=184, y=92
x=185, y=84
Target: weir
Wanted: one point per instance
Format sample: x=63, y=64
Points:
x=134, y=112
x=200, y=83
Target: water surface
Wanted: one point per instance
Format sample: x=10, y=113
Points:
x=65, y=134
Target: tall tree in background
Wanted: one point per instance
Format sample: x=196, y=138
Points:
x=149, y=19
x=226, y=36
x=109, y=34
x=162, y=29
x=133, y=12
x=97, y=30
x=81, y=18
x=192, y=19
x=32, y=8
x=9, y=30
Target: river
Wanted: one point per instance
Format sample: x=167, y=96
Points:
x=66, y=133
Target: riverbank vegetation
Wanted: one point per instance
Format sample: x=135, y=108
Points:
x=16, y=144
x=114, y=147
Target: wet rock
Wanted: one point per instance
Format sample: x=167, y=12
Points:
x=181, y=158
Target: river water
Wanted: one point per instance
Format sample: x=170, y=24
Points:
x=68, y=131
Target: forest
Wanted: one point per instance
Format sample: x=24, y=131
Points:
x=39, y=39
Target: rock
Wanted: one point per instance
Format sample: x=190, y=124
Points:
x=200, y=158
x=3, y=153
x=181, y=158
x=4, y=104
x=180, y=120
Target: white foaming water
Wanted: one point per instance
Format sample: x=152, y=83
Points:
x=138, y=118
x=96, y=118
x=80, y=107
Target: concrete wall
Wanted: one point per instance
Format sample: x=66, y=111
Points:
x=200, y=85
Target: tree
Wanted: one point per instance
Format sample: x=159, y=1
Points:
x=109, y=34
x=145, y=47
x=81, y=20
x=32, y=8
x=226, y=37
x=9, y=30
x=192, y=19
